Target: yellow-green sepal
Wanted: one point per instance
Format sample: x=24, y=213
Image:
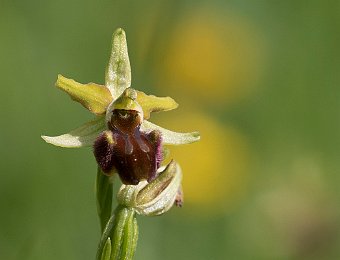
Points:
x=94, y=97
x=151, y=103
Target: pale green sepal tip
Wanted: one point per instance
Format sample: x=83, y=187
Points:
x=83, y=136
x=106, y=254
x=118, y=72
x=170, y=137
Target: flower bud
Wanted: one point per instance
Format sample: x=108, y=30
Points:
x=156, y=197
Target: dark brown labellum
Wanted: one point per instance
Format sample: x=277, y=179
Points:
x=123, y=148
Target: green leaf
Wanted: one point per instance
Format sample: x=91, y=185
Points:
x=94, y=97
x=170, y=137
x=104, y=195
x=84, y=135
x=106, y=254
x=151, y=103
x=118, y=72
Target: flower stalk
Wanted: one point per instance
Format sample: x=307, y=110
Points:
x=104, y=196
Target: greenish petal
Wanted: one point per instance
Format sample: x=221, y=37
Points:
x=83, y=136
x=151, y=103
x=94, y=97
x=118, y=72
x=170, y=137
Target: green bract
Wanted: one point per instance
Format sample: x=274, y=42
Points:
x=98, y=99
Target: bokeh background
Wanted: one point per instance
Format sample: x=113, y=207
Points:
x=259, y=80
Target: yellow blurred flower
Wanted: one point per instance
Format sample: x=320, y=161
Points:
x=213, y=50
x=215, y=169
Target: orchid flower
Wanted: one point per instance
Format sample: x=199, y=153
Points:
x=126, y=143
x=117, y=98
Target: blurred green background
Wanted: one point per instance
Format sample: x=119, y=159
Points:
x=258, y=79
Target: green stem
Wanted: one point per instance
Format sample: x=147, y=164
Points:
x=119, y=238
x=104, y=194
